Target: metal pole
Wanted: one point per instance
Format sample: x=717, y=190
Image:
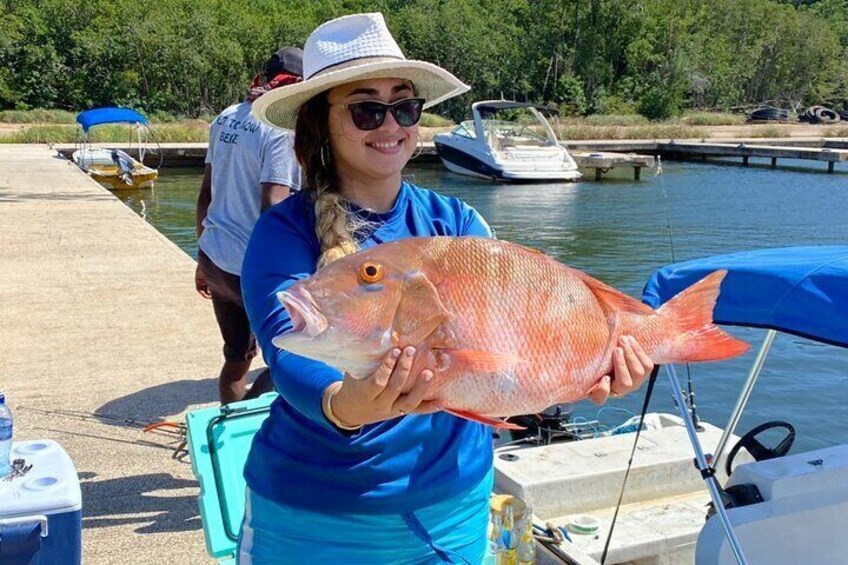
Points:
x=709, y=477
x=743, y=397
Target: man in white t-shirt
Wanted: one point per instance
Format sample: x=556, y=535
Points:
x=249, y=167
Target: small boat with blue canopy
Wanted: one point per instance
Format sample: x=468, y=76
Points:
x=117, y=168
x=804, y=496
x=748, y=500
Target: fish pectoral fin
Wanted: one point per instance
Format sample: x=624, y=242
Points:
x=612, y=299
x=475, y=361
x=475, y=417
x=420, y=310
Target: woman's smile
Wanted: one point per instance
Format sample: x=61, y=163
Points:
x=389, y=147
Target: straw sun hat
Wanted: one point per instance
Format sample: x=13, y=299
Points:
x=348, y=49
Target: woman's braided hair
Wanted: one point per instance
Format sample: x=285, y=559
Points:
x=334, y=223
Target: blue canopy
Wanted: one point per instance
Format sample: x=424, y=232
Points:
x=109, y=115
x=799, y=290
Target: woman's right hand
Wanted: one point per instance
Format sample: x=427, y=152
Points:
x=380, y=396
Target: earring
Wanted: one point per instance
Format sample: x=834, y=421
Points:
x=325, y=161
x=419, y=148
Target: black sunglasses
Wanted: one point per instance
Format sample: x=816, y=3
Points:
x=371, y=114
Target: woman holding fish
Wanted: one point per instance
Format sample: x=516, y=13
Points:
x=364, y=466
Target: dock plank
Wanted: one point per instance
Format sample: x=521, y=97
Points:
x=751, y=150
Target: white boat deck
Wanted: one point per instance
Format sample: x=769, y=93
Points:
x=664, y=505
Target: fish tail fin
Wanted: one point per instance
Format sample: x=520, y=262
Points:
x=696, y=337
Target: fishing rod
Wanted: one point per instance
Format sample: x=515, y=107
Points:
x=690, y=395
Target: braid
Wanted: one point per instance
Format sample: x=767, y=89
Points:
x=334, y=224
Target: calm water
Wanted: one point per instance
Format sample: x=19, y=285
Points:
x=617, y=231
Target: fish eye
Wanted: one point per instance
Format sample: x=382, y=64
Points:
x=370, y=273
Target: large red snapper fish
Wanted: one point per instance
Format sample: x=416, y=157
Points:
x=505, y=329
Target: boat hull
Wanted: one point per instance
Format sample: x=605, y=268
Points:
x=115, y=168
x=470, y=161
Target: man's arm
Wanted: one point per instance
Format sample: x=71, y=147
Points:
x=273, y=194
x=204, y=198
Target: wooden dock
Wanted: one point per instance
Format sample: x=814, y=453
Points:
x=193, y=154
x=827, y=150
x=603, y=156
x=746, y=151
x=103, y=332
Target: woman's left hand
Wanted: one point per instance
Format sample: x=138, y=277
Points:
x=630, y=366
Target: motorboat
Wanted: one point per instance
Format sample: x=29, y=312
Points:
x=506, y=141
x=745, y=500
x=111, y=166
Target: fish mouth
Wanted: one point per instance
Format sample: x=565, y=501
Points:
x=307, y=320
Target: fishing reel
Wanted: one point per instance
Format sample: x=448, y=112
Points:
x=544, y=428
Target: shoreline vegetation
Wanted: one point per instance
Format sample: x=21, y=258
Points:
x=655, y=58
x=58, y=126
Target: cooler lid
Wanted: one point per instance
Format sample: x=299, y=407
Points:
x=219, y=440
x=51, y=486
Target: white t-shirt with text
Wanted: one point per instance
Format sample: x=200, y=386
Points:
x=243, y=153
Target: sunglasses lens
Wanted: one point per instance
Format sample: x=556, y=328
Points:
x=408, y=112
x=368, y=116
x=371, y=115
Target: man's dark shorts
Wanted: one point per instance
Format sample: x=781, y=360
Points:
x=239, y=342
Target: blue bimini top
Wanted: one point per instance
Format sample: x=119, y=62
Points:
x=109, y=115
x=298, y=457
x=799, y=290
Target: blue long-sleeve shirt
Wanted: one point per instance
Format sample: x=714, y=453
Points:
x=298, y=457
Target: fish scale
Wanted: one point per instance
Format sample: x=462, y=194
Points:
x=505, y=329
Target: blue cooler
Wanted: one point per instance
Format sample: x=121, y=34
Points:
x=41, y=512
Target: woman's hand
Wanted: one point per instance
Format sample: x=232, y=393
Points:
x=630, y=366
x=379, y=397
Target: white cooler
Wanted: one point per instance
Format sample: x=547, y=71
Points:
x=41, y=512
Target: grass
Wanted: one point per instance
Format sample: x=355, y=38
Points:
x=711, y=119
x=768, y=131
x=183, y=132
x=649, y=131
x=435, y=121
x=58, y=126
x=836, y=132
x=608, y=120
x=39, y=116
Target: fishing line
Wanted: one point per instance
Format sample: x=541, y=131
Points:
x=690, y=389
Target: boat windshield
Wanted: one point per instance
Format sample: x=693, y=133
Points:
x=465, y=129
x=520, y=126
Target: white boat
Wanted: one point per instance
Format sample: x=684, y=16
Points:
x=506, y=141
x=776, y=508
x=113, y=166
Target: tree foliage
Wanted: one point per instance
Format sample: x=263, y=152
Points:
x=194, y=57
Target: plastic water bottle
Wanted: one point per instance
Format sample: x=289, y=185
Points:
x=5, y=437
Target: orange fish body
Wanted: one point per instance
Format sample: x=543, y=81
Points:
x=505, y=329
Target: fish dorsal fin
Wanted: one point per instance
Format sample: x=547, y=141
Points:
x=613, y=300
x=420, y=310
